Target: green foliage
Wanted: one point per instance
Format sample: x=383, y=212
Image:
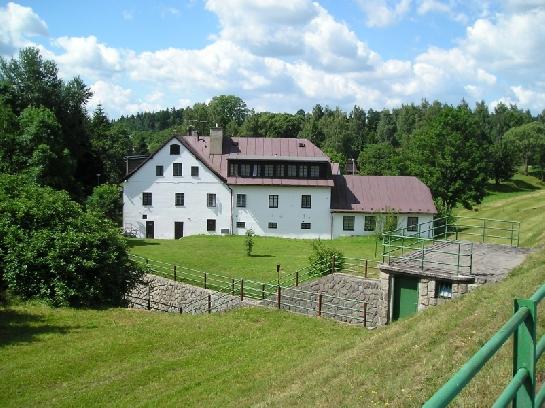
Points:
x=379, y=160
x=321, y=259
x=503, y=159
x=249, y=242
x=53, y=250
x=106, y=201
x=529, y=142
x=385, y=223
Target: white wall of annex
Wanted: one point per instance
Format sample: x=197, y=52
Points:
x=289, y=215
x=163, y=211
x=359, y=223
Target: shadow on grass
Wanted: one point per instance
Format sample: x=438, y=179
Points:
x=20, y=327
x=512, y=186
x=261, y=256
x=134, y=242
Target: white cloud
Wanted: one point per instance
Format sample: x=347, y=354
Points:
x=19, y=24
x=118, y=100
x=380, y=13
x=529, y=98
x=127, y=15
x=436, y=6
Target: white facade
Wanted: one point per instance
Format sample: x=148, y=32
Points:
x=163, y=212
x=359, y=223
x=289, y=217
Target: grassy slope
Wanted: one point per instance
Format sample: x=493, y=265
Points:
x=66, y=357
x=230, y=258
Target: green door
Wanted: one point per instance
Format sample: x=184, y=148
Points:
x=405, y=297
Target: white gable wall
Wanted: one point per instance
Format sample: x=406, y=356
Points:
x=289, y=215
x=163, y=211
x=359, y=222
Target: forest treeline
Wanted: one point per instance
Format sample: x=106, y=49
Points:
x=47, y=132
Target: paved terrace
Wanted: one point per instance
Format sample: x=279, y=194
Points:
x=491, y=262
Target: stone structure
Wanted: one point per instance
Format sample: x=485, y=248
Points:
x=343, y=298
x=157, y=293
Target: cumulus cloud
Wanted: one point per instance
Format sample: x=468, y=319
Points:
x=380, y=13
x=19, y=24
x=436, y=6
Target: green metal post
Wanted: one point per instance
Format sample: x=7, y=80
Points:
x=518, y=234
x=402, y=244
x=484, y=229
x=524, y=354
x=458, y=263
x=446, y=227
x=512, y=232
x=422, y=255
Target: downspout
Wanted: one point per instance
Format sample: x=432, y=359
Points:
x=231, y=210
x=331, y=226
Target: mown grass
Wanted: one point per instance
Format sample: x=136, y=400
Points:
x=226, y=255
x=252, y=357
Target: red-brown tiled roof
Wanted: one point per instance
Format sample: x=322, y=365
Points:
x=257, y=148
x=373, y=194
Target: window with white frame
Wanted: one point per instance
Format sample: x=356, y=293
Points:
x=348, y=222
x=211, y=200
x=241, y=200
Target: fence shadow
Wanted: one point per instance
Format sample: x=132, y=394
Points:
x=20, y=327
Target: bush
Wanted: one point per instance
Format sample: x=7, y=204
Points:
x=249, y=242
x=386, y=222
x=106, y=200
x=53, y=250
x=321, y=259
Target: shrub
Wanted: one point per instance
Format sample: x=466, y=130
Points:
x=53, y=250
x=321, y=259
x=249, y=242
x=106, y=200
x=386, y=222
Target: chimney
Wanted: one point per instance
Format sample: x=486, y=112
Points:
x=216, y=140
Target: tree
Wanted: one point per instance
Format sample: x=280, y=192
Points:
x=447, y=154
x=386, y=128
x=106, y=200
x=379, y=160
x=53, y=250
x=503, y=161
x=226, y=109
x=527, y=140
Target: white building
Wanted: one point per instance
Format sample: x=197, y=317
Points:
x=282, y=187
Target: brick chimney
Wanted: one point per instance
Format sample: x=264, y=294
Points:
x=216, y=140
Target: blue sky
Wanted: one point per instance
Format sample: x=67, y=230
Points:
x=282, y=56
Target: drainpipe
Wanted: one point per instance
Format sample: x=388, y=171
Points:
x=231, y=210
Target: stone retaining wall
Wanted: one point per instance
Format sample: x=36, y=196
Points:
x=343, y=297
x=157, y=293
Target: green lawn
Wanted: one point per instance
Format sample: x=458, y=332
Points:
x=259, y=357
x=225, y=255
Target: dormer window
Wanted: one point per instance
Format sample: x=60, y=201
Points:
x=174, y=149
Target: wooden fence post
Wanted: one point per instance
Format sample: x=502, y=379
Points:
x=209, y=303
x=366, y=262
x=241, y=290
x=232, y=286
x=262, y=291
x=205, y=280
x=320, y=304
x=279, y=297
x=364, y=314
x=296, y=278
x=278, y=274
x=174, y=273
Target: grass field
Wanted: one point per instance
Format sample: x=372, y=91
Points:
x=267, y=358
x=228, y=256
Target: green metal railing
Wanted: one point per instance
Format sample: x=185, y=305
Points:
x=521, y=390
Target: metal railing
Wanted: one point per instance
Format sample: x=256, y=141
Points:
x=521, y=390
x=294, y=299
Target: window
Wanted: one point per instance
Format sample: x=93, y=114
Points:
x=146, y=198
x=245, y=170
x=241, y=200
x=179, y=199
x=241, y=224
x=305, y=201
x=273, y=225
x=443, y=289
x=314, y=171
x=256, y=170
x=303, y=170
x=269, y=170
x=159, y=170
x=145, y=217
x=279, y=170
x=292, y=170
x=273, y=201
x=194, y=171
x=211, y=200
x=348, y=223
x=370, y=223
x=210, y=225
x=174, y=149
x=177, y=169
x=412, y=224
x=233, y=169
x=305, y=225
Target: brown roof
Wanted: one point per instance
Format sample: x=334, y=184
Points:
x=257, y=148
x=403, y=194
